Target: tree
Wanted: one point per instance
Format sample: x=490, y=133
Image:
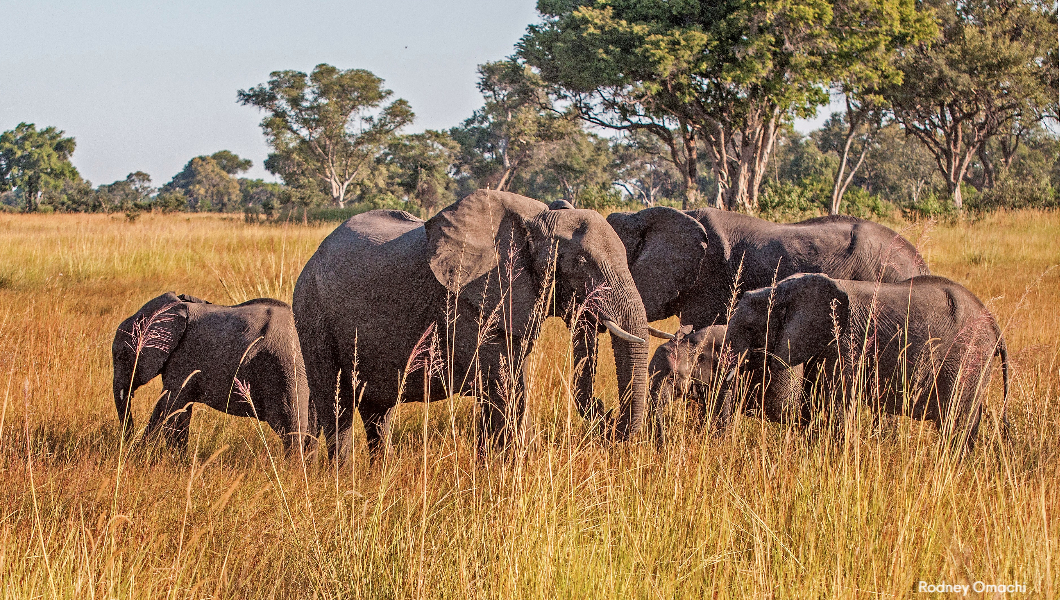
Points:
x=992, y=65
x=849, y=134
x=422, y=168
x=322, y=126
x=207, y=185
x=231, y=163
x=32, y=161
x=642, y=170
x=127, y=194
x=578, y=167
x=725, y=75
x=513, y=127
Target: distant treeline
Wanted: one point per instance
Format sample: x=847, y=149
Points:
x=948, y=105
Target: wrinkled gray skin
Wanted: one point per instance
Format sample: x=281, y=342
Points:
x=179, y=335
x=384, y=278
x=928, y=340
x=690, y=367
x=686, y=263
x=684, y=367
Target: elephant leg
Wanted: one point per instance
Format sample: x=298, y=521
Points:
x=377, y=421
x=172, y=417
x=502, y=406
x=658, y=401
x=584, y=354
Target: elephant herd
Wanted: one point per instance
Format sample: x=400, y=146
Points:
x=395, y=309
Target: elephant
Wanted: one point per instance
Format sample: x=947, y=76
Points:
x=412, y=310
x=690, y=366
x=922, y=347
x=244, y=360
x=696, y=264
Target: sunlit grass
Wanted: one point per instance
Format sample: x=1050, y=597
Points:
x=758, y=513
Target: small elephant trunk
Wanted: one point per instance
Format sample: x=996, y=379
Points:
x=123, y=393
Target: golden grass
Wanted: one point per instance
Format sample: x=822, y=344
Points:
x=757, y=514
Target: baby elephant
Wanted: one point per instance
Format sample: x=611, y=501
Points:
x=244, y=360
x=690, y=366
x=684, y=367
x=922, y=347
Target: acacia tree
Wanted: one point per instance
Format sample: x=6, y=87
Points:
x=992, y=65
x=328, y=127
x=722, y=74
x=33, y=161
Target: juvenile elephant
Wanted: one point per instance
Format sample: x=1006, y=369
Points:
x=417, y=311
x=695, y=263
x=922, y=347
x=690, y=366
x=222, y=356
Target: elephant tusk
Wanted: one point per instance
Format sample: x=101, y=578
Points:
x=730, y=375
x=661, y=334
x=619, y=332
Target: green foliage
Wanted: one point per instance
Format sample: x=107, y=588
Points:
x=421, y=168
x=206, y=185
x=993, y=64
x=327, y=129
x=33, y=161
x=126, y=195
x=720, y=74
x=858, y=202
x=73, y=195
x=170, y=200
x=231, y=163
x=261, y=197
x=789, y=201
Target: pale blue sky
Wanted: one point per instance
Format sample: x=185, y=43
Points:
x=147, y=85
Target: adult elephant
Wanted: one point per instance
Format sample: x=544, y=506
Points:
x=697, y=263
x=479, y=278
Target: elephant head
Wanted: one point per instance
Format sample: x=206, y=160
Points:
x=685, y=367
x=667, y=250
x=499, y=251
x=780, y=327
x=142, y=344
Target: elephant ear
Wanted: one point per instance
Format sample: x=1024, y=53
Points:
x=191, y=299
x=665, y=249
x=481, y=248
x=155, y=331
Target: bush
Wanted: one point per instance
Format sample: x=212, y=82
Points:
x=858, y=202
x=787, y=201
x=1014, y=192
x=932, y=205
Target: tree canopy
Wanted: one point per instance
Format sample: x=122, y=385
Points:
x=724, y=75
x=326, y=128
x=991, y=70
x=32, y=161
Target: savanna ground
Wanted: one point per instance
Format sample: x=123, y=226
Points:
x=759, y=513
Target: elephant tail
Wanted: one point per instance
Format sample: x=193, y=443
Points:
x=1002, y=351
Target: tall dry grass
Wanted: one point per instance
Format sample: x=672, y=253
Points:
x=760, y=513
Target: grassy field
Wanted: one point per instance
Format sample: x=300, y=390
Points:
x=757, y=514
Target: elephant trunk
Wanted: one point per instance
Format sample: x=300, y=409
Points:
x=662, y=389
x=123, y=392
x=631, y=357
